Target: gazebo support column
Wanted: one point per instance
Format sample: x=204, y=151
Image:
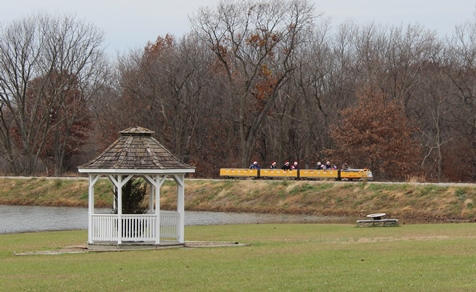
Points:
x=119, y=209
x=92, y=181
x=156, y=183
x=180, y=181
x=119, y=183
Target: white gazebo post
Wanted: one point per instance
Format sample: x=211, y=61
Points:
x=136, y=153
x=120, y=183
x=180, y=181
x=157, y=209
x=119, y=209
x=92, y=181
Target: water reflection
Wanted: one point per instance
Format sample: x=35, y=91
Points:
x=14, y=219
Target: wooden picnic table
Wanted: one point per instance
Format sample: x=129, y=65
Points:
x=377, y=220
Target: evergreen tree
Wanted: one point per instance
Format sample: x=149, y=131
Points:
x=133, y=194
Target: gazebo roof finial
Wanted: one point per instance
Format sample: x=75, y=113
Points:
x=136, y=131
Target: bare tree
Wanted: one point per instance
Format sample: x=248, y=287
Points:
x=462, y=75
x=59, y=53
x=168, y=88
x=254, y=42
x=325, y=82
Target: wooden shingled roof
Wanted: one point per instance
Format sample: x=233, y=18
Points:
x=136, y=149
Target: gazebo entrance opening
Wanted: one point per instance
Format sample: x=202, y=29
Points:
x=139, y=228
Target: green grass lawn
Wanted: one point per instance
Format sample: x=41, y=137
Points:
x=279, y=257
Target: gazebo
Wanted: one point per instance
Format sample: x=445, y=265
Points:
x=137, y=154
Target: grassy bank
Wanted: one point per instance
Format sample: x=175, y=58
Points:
x=419, y=201
x=279, y=257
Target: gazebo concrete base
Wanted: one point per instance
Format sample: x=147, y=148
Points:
x=113, y=246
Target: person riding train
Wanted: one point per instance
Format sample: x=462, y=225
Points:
x=286, y=166
x=319, y=166
x=295, y=165
x=255, y=165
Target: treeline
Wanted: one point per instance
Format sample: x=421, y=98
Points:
x=253, y=80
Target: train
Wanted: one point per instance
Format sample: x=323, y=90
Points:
x=272, y=173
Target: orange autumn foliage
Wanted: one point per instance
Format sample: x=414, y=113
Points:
x=377, y=134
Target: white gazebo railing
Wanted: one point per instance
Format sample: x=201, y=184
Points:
x=135, y=228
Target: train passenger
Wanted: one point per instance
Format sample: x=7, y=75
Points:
x=345, y=166
x=286, y=166
x=255, y=165
x=319, y=165
x=328, y=165
x=273, y=165
x=295, y=165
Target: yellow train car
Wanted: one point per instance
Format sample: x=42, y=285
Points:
x=239, y=172
x=318, y=173
x=272, y=173
x=357, y=174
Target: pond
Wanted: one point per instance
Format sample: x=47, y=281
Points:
x=15, y=219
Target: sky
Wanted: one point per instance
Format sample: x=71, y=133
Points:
x=130, y=24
